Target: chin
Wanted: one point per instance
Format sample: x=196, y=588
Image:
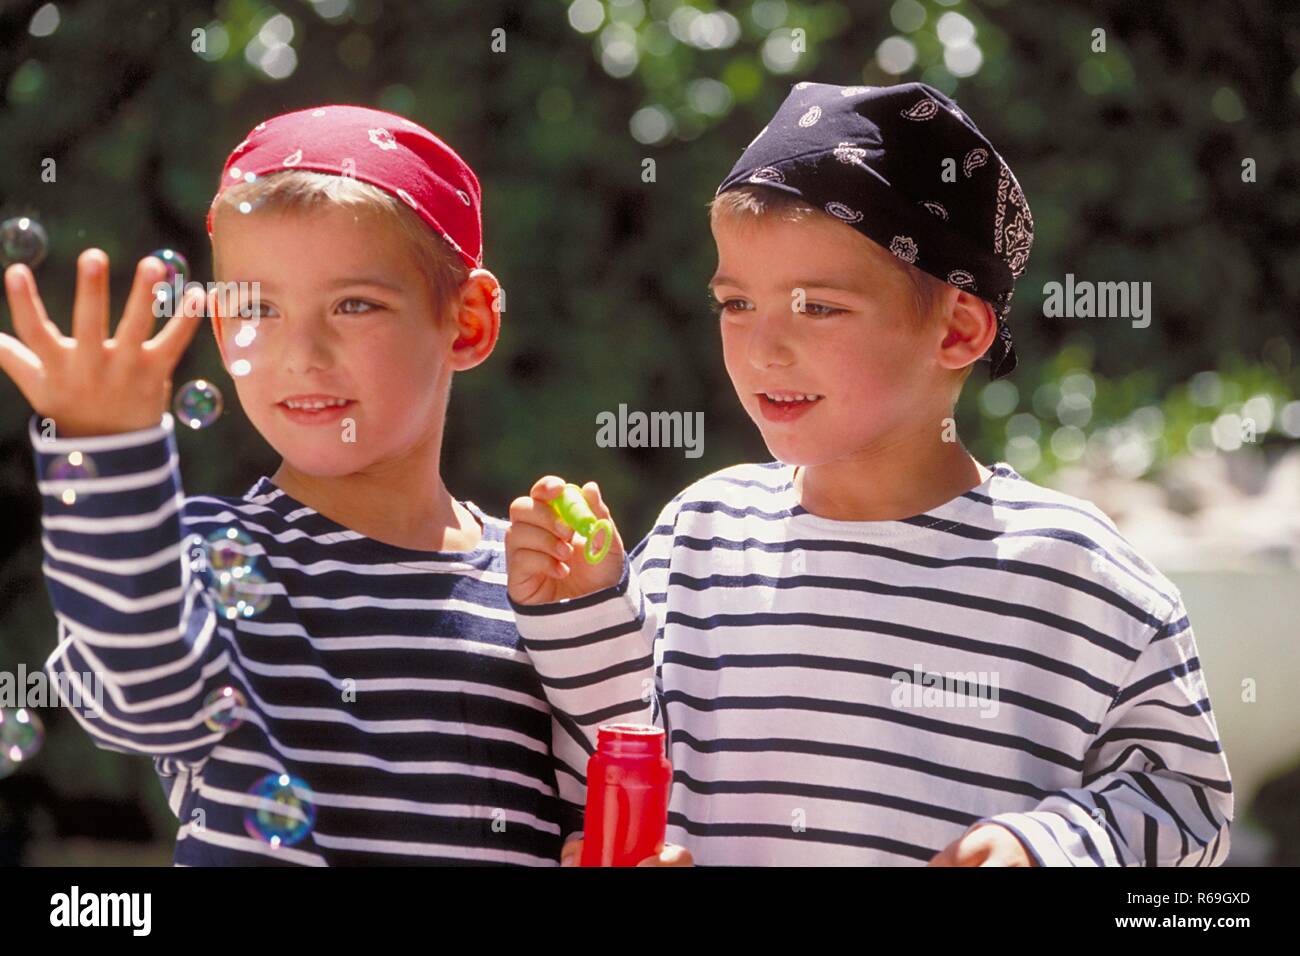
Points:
x=320, y=462
x=791, y=452
x=800, y=450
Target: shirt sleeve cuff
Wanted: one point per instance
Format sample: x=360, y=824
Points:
x=1037, y=832
x=612, y=607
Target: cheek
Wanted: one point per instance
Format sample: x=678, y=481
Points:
x=382, y=359
x=735, y=342
x=729, y=343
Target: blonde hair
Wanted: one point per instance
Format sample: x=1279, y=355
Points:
x=754, y=202
x=301, y=190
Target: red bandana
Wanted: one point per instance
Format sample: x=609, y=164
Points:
x=395, y=154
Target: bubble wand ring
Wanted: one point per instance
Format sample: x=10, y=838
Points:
x=573, y=510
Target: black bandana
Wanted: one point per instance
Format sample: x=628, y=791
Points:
x=873, y=157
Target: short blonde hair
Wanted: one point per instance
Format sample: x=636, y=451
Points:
x=301, y=190
x=755, y=202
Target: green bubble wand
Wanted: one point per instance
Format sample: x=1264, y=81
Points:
x=572, y=508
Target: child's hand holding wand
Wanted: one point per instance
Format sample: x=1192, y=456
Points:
x=543, y=563
x=90, y=384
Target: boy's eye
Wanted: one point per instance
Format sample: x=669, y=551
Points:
x=369, y=306
x=258, y=311
x=820, y=311
x=727, y=305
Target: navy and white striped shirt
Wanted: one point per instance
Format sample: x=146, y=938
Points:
x=862, y=692
x=392, y=682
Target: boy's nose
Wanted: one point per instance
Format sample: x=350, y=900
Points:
x=769, y=342
x=308, y=351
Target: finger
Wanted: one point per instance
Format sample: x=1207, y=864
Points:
x=530, y=511
x=138, y=317
x=945, y=857
x=572, y=853
x=534, y=512
x=529, y=537
x=1004, y=849
x=90, y=303
x=20, y=364
x=972, y=850
x=670, y=855
x=591, y=491
x=526, y=565
x=31, y=323
x=179, y=330
x=674, y=855
x=547, y=487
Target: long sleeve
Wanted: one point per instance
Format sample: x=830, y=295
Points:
x=596, y=654
x=1156, y=789
x=138, y=642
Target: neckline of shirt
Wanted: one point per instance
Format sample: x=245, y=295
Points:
x=265, y=488
x=965, y=508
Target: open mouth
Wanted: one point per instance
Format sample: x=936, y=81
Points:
x=314, y=409
x=786, y=406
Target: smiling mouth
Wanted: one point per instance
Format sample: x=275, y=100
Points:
x=308, y=410
x=791, y=398
x=313, y=403
x=782, y=407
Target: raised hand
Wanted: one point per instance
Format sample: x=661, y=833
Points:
x=90, y=384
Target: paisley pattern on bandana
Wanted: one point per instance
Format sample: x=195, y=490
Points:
x=848, y=153
x=904, y=247
x=923, y=110
x=382, y=138
x=873, y=157
x=962, y=279
x=358, y=143
x=974, y=160
x=1013, y=226
x=841, y=211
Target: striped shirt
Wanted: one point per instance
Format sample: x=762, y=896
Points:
x=392, y=682
x=862, y=692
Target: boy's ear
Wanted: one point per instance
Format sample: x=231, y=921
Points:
x=969, y=329
x=477, y=319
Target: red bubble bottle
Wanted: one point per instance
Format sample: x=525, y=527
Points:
x=628, y=781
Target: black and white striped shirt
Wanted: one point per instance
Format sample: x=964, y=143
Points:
x=862, y=692
x=392, y=682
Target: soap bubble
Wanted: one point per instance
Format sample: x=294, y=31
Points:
x=63, y=472
x=165, y=289
x=283, y=810
x=230, y=550
x=175, y=263
x=23, y=240
x=241, y=595
x=223, y=709
x=198, y=403
x=21, y=735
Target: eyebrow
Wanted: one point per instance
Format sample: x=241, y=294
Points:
x=817, y=283
x=339, y=283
